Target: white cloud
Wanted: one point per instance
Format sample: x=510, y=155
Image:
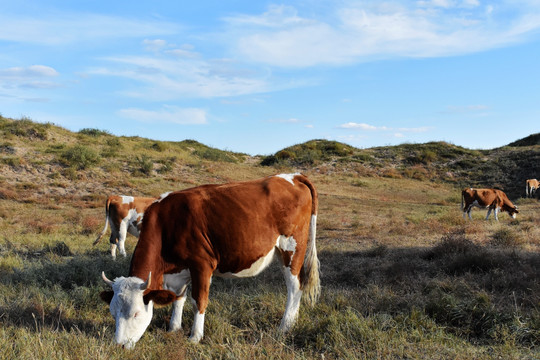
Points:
x=170, y=76
x=30, y=77
x=284, y=37
x=30, y=71
x=154, y=45
x=277, y=16
x=286, y=121
x=168, y=114
x=361, y=126
x=77, y=28
x=367, y=127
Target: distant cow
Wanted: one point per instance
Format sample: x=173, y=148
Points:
x=491, y=199
x=232, y=230
x=124, y=213
x=531, y=186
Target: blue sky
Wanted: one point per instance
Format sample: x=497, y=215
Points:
x=258, y=76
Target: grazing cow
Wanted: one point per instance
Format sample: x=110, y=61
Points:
x=124, y=213
x=491, y=199
x=531, y=185
x=231, y=230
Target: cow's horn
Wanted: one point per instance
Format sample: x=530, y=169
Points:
x=146, y=284
x=109, y=282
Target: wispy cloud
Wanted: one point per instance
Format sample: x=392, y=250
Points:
x=286, y=121
x=168, y=114
x=76, y=28
x=368, y=127
x=30, y=77
x=359, y=32
x=30, y=71
x=180, y=72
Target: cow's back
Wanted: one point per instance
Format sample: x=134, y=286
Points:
x=230, y=224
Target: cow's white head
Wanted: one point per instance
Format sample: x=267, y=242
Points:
x=131, y=308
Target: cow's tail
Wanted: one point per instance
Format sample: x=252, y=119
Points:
x=527, y=189
x=462, y=199
x=310, y=282
x=107, y=204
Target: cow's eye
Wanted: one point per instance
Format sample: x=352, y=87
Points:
x=136, y=315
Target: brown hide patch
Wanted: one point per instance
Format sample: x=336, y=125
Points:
x=107, y=296
x=160, y=297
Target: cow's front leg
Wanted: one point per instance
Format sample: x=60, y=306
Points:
x=496, y=214
x=488, y=213
x=199, y=290
x=176, y=317
x=178, y=284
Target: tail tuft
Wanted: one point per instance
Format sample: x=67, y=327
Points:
x=311, y=285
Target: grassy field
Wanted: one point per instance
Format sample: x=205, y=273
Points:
x=403, y=275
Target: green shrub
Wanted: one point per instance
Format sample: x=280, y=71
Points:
x=80, y=157
x=159, y=146
x=214, y=155
x=144, y=164
x=166, y=165
x=362, y=157
x=93, y=132
x=26, y=128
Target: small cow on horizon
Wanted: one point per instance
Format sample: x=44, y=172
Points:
x=124, y=213
x=230, y=230
x=531, y=186
x=491, y=199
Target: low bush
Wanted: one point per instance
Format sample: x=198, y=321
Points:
x=143, y=164
x=80, y=157
x=26, y=128
x=506, y=238
x=94, y=132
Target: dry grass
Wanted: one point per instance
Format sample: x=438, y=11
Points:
x=403, y=274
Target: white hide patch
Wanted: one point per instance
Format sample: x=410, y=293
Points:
x=127, y=199
x=255, y=269
x=286, y=243
x=163, y=196
x=288, y=177
x=177, y=282
x=283, y=242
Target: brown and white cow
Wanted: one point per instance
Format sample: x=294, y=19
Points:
x=231, y=230
x=531, y=186
x=124, y=213
x=491, y=199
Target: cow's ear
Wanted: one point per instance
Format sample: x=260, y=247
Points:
x=160, y=297
x=107, y=296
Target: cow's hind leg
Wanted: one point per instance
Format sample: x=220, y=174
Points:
x=122, y=238
x=113, y=239
x=294, y=295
